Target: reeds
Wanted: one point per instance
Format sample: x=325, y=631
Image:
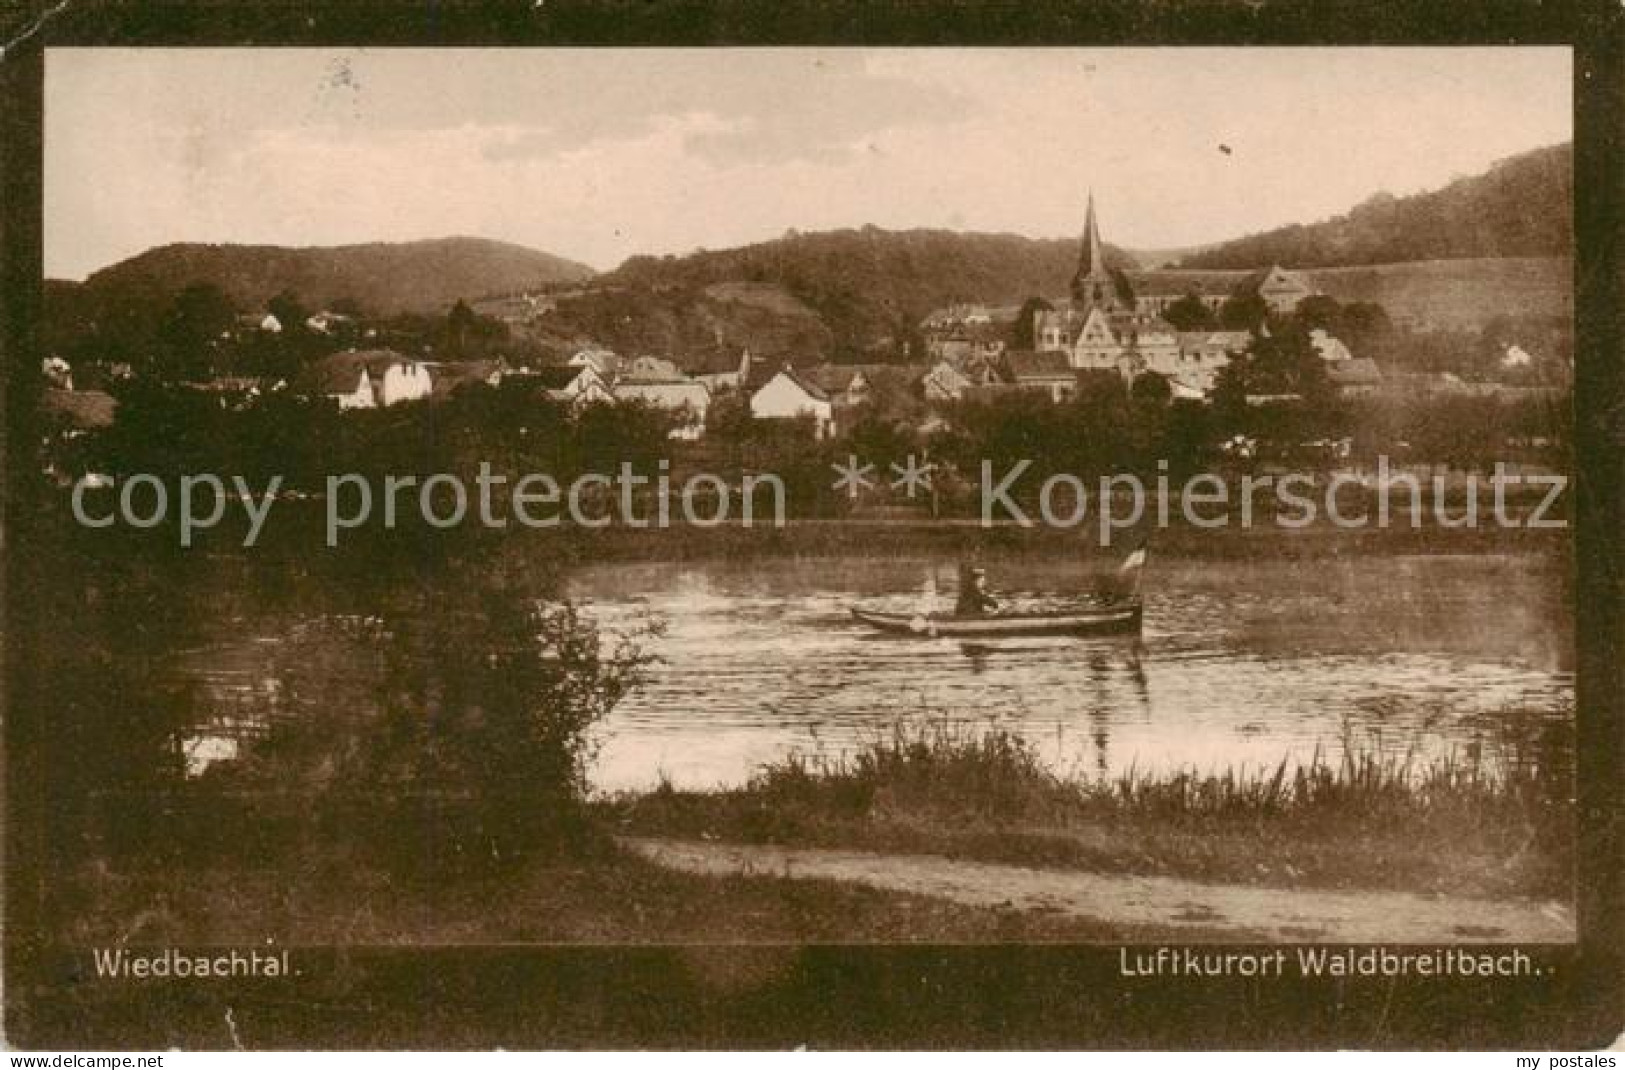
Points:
x=991, y=771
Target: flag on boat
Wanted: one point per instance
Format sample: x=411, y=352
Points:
x=1133, y=561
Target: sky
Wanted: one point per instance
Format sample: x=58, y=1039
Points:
x=600, y=154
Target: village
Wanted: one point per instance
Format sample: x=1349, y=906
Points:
x=1166, y=334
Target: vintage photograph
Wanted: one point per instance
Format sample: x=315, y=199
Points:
x=601, y=497
x=801, y=497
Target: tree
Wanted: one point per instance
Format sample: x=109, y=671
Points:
x=1150, y=389
x=1243, y=312
x=1363, y=325
x=192, y=328
x=1285, y=361
x=469, y=722
x=1320, y=310
x=1190, y=313
x=288, y=310
x=466, y=333
x=460, y=324
x=1024, y=336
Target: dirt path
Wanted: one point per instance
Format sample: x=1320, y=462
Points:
x=1265, y=914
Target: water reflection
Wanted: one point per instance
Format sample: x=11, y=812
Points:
x=1240, y=663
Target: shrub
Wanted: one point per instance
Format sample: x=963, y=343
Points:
x=451, y=736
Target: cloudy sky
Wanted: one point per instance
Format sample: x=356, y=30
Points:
x=598, y=154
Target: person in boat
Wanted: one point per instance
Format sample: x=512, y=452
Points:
x=974, y=599
x=1123, y=585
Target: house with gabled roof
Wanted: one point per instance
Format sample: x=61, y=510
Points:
x=367, y=379
x=853, y=384
x=945, y=382
x=789, y=394
x=1281, y=289
x=606, y=362
x=451, y=376
x=1048, y=371
x=575, y=386
x=717, y=369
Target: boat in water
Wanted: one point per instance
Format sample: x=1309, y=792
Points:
x=1120, y=616
x=1120, y=619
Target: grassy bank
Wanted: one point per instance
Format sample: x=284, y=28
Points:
x=1487, y=824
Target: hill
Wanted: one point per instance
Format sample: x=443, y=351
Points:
x=1519, y=208
x=382, y=278
x=871, y=285
x=706, y=326
x=1456, y=294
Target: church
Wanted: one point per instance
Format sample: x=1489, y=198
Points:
x=1105, y=327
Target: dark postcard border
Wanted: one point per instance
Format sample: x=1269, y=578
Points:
x=925, y=997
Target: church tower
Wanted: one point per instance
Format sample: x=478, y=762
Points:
x=1093, y=286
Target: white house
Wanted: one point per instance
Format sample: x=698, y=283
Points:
x=787, y=396
x=605, y=362
x=403, y=380
x=578, y=385
x=350, y=388
x=369, y=379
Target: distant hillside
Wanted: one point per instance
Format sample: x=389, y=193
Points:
x=383, y=278
x=1456, y=294
x=1519, y=208
x=706, y=327
x=871, y=284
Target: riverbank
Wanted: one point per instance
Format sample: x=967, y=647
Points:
x=1490, y=825
x=931, y=834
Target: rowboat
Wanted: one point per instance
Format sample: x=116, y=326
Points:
x=1122, y=618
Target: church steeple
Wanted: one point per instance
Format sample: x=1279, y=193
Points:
x=1093, y=285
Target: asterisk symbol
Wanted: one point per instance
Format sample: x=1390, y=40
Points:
x=854, y=475
x=912, y=476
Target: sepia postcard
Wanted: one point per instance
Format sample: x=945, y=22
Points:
x=581, y=526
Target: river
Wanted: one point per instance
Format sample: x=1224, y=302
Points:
x=1242, y=662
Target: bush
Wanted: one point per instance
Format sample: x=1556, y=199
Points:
x=451, y=736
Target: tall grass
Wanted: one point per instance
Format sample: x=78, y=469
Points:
x=951, y=767
x=1485, y=819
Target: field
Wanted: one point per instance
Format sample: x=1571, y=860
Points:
x=1456, y=294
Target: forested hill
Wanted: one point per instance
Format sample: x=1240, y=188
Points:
x=860, y=279
x=382, y=277
x=1520, y=207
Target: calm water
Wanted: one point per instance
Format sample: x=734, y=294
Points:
x=1240, y=662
